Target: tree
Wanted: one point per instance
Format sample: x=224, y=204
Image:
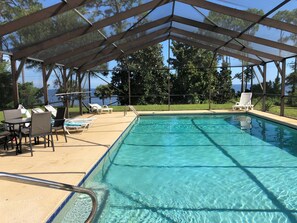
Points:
x=6, y=100
x=291, y=81
x=272, y=87
x=193, y=75
x=232, y=23
x=101, y=9
x=277, y=85
x=287, y=17
x=148, y=78
x=248, y=75
x=29, y=95
x=223, y=87
x=103, y=91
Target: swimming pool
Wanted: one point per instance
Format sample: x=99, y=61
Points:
x=195, y=168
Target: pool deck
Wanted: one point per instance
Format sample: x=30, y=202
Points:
x=68, y=164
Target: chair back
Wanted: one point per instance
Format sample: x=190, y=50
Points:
x=41, y=124
x=51, y=109
x=245, y=98
x=24, y=111
x=60, y=117
x=12, y=114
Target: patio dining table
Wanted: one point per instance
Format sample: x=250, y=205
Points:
x=17, y=132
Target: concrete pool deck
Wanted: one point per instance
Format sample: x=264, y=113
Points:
x=68, y=164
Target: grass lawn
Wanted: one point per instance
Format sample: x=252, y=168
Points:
x=289, y=111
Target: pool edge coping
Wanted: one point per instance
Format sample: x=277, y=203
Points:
x=59, y=208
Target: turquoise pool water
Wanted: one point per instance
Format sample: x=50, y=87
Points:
x=206, y=169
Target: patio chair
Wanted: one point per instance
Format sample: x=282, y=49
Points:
x=40, y=127
x=12, y=114
x=5, y=137
x=51, y=109
x=59, y=121
x=245, y=102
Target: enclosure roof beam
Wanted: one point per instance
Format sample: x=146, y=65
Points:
x=111, y=39
x=124, y=47
x=233, y=34
x=40, y=15
x=260, y=70
x=277, y=65
x=28, y=51
x=248, y=16
x=20, y=68
x=229, y=45
x=119, y=55
x=50, y=70
x=223, y=52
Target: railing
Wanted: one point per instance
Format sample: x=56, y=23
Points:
x=131, y=107
x=54, y=185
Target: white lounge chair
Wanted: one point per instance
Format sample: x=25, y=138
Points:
x=245, y=102
x=51, y=109
x=37, y=110
x=99, y=109
x=78, y=124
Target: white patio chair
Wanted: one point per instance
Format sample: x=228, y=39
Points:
x=245, y=102
x=24, y=111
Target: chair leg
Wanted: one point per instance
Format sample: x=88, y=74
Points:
x=48, y=140
x=44, y=141
x=53, y=142
x=30, y=143
x=56, y=134
x=65, y=134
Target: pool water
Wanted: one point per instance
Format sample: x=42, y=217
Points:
x=199, y=168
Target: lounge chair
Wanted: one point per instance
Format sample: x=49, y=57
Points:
x=72, y=123
x=76, y=125
x=37, y=110
x=51, y=109
x=95, y=108
x=99, y=109
x=245, y=102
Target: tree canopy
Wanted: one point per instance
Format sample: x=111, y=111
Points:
x=148, y=77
